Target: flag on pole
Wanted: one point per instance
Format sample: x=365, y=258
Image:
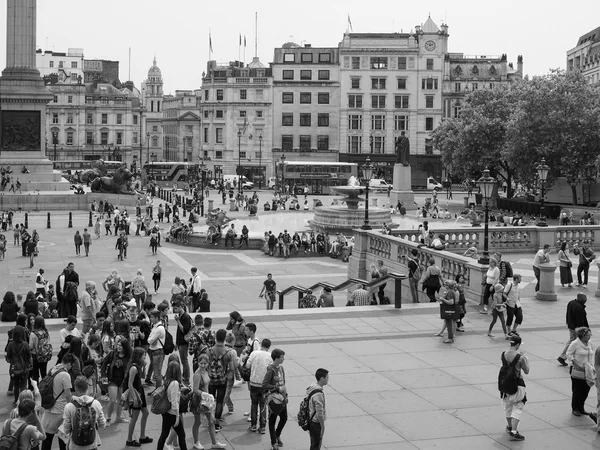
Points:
x=350, y=23
x=245, y=125
x=244, y=41
x=240, y=38
x=210, y=43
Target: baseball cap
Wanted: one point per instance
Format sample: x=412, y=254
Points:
x=71, y=319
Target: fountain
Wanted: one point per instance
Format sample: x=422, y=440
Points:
x=344, y=218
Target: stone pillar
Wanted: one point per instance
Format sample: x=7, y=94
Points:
x=597, y=293
x=21, y=37
x=402, y=186
x=547, y=292
x=357, y=264
x=211, y=205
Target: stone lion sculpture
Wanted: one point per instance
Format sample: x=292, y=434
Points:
x=119, y=183
x=98, y=170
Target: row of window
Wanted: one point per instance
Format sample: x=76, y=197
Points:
x=243, y=94
x=378, y=122
x=380, y=83
x=305, y=142
x=305, y=74
x=306, y=97
x=61, y=64
x=220, y=114
x=89, y=119
x=377, y=145
x=381, y=62
x=458, y=87
x=379, y=101
x=307, y=58
x=287, y=119
x=89, y=138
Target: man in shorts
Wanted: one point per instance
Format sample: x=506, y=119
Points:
x=269, y=288
x=513, y=404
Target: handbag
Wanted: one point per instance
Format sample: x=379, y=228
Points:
x=448, y=311
x=276, y=401
x=577, y=371
x=433, y=282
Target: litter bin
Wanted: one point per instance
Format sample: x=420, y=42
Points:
x=231, y=204
x=466, y=202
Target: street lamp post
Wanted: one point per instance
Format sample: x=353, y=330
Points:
x=201, y=167
x=486, y=185
x=542, y=170
x=260, y=161
x=151, y=169
x=239, y=167
x=283, y=174
x=367, y=173
x=147, y=149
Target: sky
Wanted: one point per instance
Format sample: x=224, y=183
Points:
x=177, y=31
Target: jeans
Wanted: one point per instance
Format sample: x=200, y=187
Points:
x=487, y=293
x=168, y=422
x=286, y=250
x=227, y=239
x=218, y=392
x=516, y=313
x=19, y=384
x=450, y=328
x=498, y=315
x=585, y=268
x=87, y=248
x=315, y=435
x=413, y=289
x=536, y=272
x=39, y=369
x=274, y=433
x=227, y=401
x=258, y=407
x=580, y=390
x=47, y=443
x=572, y=337
x=157, y=357
x=183, y=356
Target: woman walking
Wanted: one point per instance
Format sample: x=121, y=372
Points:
x=580, y=356
x=113, y=374
x=78, y=241
x=203, y=403
x=492, y=276
x=41, y=349
x=498, y=307
x=172, y=419
x=19, y=359
x=97, y=228
x=137, y=398
x=432, y=280
x=566, y=277
x=448, y=310
x=156, y=275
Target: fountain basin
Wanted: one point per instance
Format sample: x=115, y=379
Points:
x=341, y=219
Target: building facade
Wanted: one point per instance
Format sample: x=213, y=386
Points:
x=585, y=56
x=236, y=110
x=151, y=129
x=61, y=67
x=181, y=127
x=306, y=103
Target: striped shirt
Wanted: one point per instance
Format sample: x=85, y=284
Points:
x=360, y=297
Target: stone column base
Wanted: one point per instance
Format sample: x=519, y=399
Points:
x=547, y=292
x=406, y=197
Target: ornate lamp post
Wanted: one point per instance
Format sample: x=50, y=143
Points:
x=201, y=167
x=367, y=173
x=239, y=167
x=260, y=161
x=283, y=174
x=486, y=185
x=542, y=170
x=148, y=149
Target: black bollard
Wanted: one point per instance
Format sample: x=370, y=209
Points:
x=90, y=223
x=26, y=220
x=184, y=208
x=48, y=222
x=70, y=220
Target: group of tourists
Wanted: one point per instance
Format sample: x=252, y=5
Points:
x=285, y=244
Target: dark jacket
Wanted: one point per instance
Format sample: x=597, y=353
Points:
x=576, y=315
x=186, y=323
x=586, y=255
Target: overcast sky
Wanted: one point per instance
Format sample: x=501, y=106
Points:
x=177, y=30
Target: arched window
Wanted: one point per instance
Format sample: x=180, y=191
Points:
x=158, y=106
x=151, y=105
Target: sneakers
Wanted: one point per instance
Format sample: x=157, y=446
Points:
x=198, y=446
x=508, y=429
x=516, y=436
x=261, y=430
x=252, y=428
x=145, y=440
x=562, y=361
x=219, y=445
x=279, y=443
x=132, y=444
x=490, y=334
x=576, y=413
x=122, y=420
x=218, y=427
x=248, y=419
x=238, y=383
x=584, y=286
x=104, y=398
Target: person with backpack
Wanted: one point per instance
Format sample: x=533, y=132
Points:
x=287, y=240
x=316, y=409
x=237, y=325
x=172, y=418
x=19, y=358
x=258, y=362
x=233, y=376
x=512, y=386
x=506, y=271
x=25, y=431
x=184, y=325
x=219, y=366
x=55, y=390
x=196, y=345
x=276, y=397
x=136, y=399
x=114, y=367
x=83, y=417
x=155, y=348
x=580, y=356
x=41, y=348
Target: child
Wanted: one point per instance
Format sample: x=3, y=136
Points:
x=498, y=307
x=460, y=287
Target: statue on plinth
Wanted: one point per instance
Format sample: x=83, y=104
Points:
x=118, y=183
x=402, y=150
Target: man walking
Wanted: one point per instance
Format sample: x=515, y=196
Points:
x=541, y=257
x=195, y=288
x=218, y=367
x=513, y=304
x=586, y=256
x=156, y=353
x=576, y=317
x=258, y=361
x=316, y=409
x=514, y=403
x=274, y=386
x=87, y=240
x=184, y=325
x=414, y=275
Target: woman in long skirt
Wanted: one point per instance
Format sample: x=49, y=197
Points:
x=566, y=277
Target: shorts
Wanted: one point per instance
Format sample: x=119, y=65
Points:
x=512, y=410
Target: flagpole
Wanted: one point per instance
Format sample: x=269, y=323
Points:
x=255, y=34
x=244, y=48
x=240, y=47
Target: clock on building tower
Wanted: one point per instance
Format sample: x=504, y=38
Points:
x=430, y=46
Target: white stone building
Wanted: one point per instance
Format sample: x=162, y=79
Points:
x=585, y=56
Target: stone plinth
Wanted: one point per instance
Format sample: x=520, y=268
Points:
x=402, y=191
x=340, y=219
x=547, y=292
x=64, y=201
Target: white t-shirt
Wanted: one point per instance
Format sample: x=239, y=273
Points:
x=64, y=333
x=62, y=385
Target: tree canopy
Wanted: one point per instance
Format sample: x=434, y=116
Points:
x=510, y=129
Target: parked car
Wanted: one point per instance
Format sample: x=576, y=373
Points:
x=379, y=185
x=433, y=184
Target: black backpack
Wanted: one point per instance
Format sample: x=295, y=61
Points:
x=509, y=270
x=46, y=388
x=168, y=345
x=10, y=441
x=508, y=377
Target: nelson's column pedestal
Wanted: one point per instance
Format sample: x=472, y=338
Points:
x=23, y=99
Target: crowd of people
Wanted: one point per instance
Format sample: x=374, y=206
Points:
x=285, y=244
x=117, y=358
